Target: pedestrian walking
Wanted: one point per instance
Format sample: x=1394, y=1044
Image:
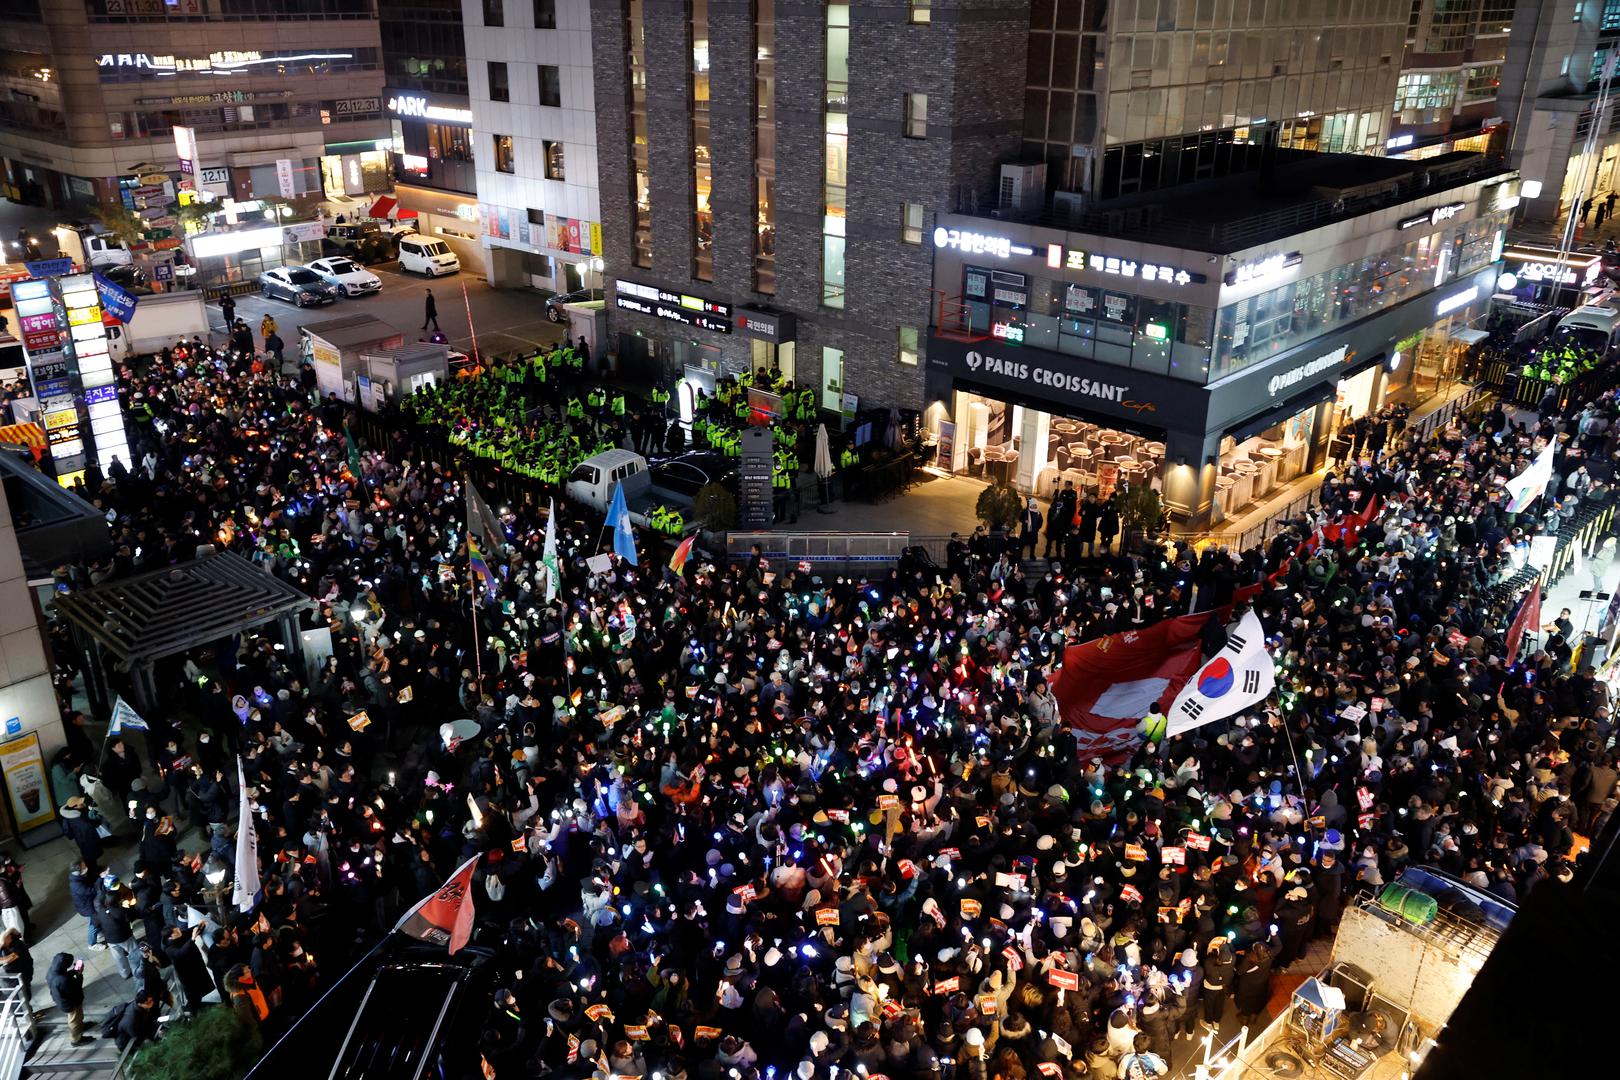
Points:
x=430, y=311
x=267, y=327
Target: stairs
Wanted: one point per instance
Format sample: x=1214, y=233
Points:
x=52, y=1056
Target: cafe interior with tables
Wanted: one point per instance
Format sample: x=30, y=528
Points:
x=1256, y=469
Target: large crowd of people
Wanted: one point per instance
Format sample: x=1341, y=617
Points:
x=748, y=819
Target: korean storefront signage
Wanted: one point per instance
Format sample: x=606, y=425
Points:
x=1261, y=270
x=976, y=243
x=1547, y=269
x=777, y=326
x=1060, y=258
x=1138, y=397
x=1285, y=380
x=1432, y=217
x=999, y=287
x=1456, y=300
x=688, y=310
x=185, y=145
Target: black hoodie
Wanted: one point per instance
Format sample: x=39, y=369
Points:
x=65, y=983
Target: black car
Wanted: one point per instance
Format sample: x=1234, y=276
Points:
x=127, y=276
x=297, y=285
x=554, y=304
x=686, y=473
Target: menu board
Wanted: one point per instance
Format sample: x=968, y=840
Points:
x=757, y=510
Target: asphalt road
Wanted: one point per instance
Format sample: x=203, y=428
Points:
x=503, y=319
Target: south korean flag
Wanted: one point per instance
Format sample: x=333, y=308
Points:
x=1240, y=675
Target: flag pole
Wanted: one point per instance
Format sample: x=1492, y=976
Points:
x=472, y=598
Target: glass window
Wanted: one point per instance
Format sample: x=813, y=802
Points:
x=908, y=345
x=494, y=13
x=911, y=223
x=916, y=116
x=921, y=11
x=499, y=90
x=832, y=378
x=504, y=159
x=545, y=14
x=553, y=151
x=550, y=85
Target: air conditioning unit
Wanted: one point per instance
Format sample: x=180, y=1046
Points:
x=1023, y=188
x=1068, y=205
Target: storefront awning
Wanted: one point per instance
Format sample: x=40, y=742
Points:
x=382, y=207
x=1469, y=337
x=28, y=435
x=1277, y=414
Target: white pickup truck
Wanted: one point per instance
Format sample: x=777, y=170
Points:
x=159, y=320
x=593, y=480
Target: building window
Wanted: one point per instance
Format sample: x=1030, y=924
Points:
x=545, y=14
x=702, y=176
x=908, y=345
x=494, y=13
x=922, y=11
x=537, y=217
x=911, y=222
x=640, y=174
x=1579, y=12
x=505, y=161
x=554, y=159
x=499, y=90
x=835, y=169
x=832, y=379
x=550, y=85
x=765, y=146
x=916, y=116
x=1563, y=68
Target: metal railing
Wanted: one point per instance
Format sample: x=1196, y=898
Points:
x=820, y=550
x=16, y=1028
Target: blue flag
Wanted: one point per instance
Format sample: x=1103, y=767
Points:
x=618, y=519
x=125, y=718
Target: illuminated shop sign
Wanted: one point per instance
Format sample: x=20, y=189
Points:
x=417, y=105
x=1433, y=217
x=225, y=61
x=1011, y=333
x=1546, y=268
x=1457, y=300
x=1259, y=270
x=685, y=309
x=979, y=243
x=1295, y=376
x=1060, y=258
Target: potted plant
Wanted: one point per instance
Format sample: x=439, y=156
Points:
x=999, y=506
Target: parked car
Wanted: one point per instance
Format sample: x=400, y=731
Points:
x=554, y=304
x=131, y=277
x=422, y=255
x=350, y=277
x=297, y=285
x=365, y=242
x=689, y=472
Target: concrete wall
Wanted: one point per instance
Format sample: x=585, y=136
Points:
x=26, y=693
x=1408, y=970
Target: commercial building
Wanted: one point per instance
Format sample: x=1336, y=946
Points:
x=767, y=171
x=1214, y=342
x=534, y=123
x=1445, y=99
x=432, y=153
x=1566, y=134
x=94, y=87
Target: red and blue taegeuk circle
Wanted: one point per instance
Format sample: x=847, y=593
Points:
x=1215, y=679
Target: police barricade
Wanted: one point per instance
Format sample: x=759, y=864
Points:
x=855, y=553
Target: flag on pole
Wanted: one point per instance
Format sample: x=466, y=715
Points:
x=618, y=519
x=683, y=551
x=444, y=917
x=1528, y=618
x=125, y=718
x=1238, y=676
x=1528, y=486
x=481, y=520
x=548, y=555
x=246, y=886
x=475, y=559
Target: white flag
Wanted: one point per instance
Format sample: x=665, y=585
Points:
x=1529, y=485
x=246, y=887
x=548, y=556
x=125, y=718
x=1238, y=676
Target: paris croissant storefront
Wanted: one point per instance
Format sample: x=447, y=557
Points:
x=1225, y=434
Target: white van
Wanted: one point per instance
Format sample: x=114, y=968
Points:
x=420, y=255
x=1593, y=327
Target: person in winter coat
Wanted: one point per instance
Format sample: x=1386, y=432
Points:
x=113, y=905
x=190, y=969
x=18, y=962
x=78, y=827
x=1294, y=917
x=138, y=1024
x=82, y=891
x=65, y=980
x=1253, y=987
x=1189, y=975
x=1220, y=972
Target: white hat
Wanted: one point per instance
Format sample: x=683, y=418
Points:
x=818, y=1042
x=974, y=1037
